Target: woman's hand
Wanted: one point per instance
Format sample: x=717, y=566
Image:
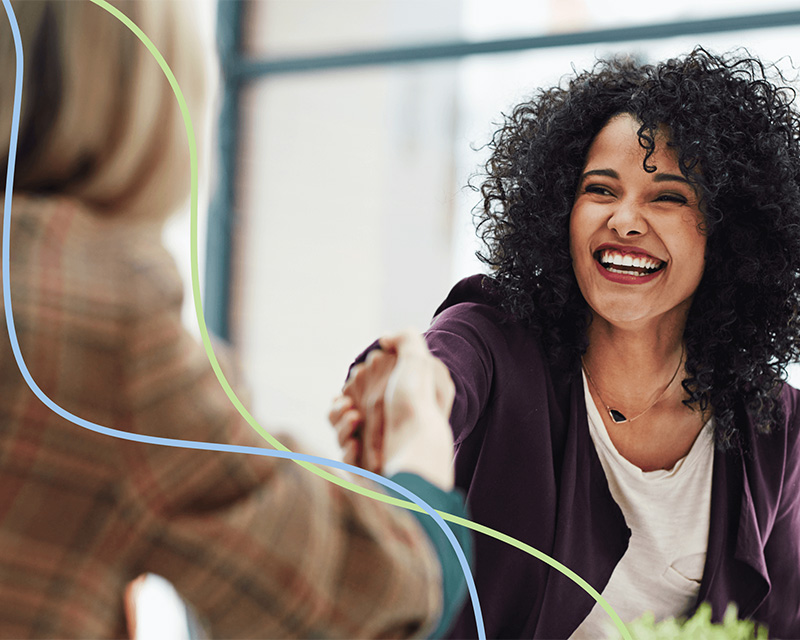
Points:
x=393, y=414
x=358, y=413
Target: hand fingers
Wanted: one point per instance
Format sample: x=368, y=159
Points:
x=378, y=457
x=352, y=453
x=362, y=416
x=359, y=413
x=363, y=374
x=379, y=367
x=355, y=381
x=348, y=426
x=405, y=342
x=347, y=421
x=373, y=437
x=339, y=406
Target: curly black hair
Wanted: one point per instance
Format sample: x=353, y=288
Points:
x=736, y=130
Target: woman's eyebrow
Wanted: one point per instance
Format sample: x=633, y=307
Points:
x=659, y=177
x=669, y=177
x=609, y=173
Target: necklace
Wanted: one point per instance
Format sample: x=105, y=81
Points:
x=617, y=416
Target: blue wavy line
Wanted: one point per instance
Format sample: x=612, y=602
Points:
x=170, y=442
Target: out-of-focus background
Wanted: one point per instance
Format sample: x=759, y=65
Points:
x=343, y=137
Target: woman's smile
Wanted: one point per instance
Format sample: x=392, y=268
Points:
x=627, y=265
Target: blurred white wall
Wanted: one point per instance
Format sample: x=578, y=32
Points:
x=346, y=190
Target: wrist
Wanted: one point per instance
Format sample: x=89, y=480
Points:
x=426, y=450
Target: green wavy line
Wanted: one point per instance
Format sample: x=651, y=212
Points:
x=212, y=358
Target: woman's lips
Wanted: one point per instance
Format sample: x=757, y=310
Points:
x=627, y=265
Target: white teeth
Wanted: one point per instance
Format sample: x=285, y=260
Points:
x=610, y=257
x=638, y=274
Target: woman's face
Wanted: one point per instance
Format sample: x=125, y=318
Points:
x=637, y=251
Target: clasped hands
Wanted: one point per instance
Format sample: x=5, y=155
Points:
x=392, y=415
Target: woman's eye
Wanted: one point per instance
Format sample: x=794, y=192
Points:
x=598, y=189
x=671, y=197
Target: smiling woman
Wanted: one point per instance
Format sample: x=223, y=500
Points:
x=643, y=223
x=619, y=395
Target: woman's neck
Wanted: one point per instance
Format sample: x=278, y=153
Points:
x=629, y=365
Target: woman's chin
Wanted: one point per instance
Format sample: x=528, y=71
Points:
x=631, y=314
x=627, y=319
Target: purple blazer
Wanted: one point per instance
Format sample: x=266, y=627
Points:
x=526, y=461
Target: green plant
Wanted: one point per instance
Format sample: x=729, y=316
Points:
x=698, y=627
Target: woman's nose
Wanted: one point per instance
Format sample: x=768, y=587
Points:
x=627, y=220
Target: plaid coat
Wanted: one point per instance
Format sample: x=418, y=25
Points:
x=260, y=547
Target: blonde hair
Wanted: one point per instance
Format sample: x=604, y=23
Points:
x=99, y=120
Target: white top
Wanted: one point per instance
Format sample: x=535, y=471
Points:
x=668, y=512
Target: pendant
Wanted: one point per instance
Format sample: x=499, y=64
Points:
x=616, y=416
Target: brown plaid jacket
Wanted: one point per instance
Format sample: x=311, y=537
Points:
x=260, y=547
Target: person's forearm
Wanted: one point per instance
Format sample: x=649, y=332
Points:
x=453, y=584
x=427, y=451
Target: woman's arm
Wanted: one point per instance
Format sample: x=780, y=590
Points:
x=461, y=338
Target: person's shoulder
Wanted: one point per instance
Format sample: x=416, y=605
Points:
x=474, y=299
x=782, y=441
x=478, y=298
x=790, y=398
x=478, y=289
x=105, y=266
x=779, y=451
x=473, y=310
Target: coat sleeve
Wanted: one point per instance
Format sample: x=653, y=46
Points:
x=461, y=337
x=258, y=546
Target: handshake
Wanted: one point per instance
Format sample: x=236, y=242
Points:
x=392, y=415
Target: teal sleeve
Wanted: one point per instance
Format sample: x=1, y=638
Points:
x=453, y=583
